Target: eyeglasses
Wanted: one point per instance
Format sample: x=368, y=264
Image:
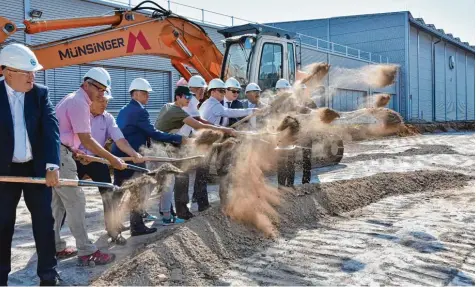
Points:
x=188, y=97
x=234, y=91
x=27, y=74
x=100, y=89
x=221, y=91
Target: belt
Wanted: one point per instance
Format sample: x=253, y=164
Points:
x=68, y=148
x=21, y=163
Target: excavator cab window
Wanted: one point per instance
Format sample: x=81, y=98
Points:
x=291, y=63
x=271, y=65
x=237, y=58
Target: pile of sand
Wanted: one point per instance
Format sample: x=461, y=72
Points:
x=420, y=150
x=198, y=251
x=442, y=127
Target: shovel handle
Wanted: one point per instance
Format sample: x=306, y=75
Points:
x=105, y=161
x=62, y=181
x=243, y=120
x=164, y=159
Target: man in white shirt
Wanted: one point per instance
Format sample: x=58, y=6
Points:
x=230, y=101
x=197, y=86
x=213, y=111
x=29, y=148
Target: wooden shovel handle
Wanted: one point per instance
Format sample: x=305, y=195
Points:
x=62, y=181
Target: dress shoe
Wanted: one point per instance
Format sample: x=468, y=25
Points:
x=143, y=231
x=53, y=282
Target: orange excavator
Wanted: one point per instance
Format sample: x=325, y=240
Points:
x=253, y=52
x=130, y=33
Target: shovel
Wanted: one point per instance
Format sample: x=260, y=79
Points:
x=62, y=181
x=105, y=161
x=252, y=133
x=291, y=147
x=164, y=159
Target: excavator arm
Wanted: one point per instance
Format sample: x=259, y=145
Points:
x=129, y=33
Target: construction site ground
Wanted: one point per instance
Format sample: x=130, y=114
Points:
x=395, y=211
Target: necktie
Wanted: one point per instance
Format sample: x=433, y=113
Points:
x=223, y=119
x=19, y=127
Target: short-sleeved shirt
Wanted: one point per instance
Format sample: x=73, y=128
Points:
x=103, y=127
x=73, y=114
x=170, y=118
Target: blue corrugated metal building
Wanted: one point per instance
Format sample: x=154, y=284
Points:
x=436, y=81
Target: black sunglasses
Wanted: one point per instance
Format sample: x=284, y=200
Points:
x=234, y=91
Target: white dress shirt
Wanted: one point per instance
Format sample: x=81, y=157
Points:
x=22, y=149
x=212, y=110
x=192, y=110
x=252, y=121
x=227, y=104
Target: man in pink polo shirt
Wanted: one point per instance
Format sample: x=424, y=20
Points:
x=73, y=113
x=103, y=128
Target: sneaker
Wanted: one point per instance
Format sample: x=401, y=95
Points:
x=67, y=253
x=96, y=258
x=171, y=220
x=149, y=217
x=178, y=220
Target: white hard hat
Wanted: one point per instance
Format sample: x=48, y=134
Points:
x=100, y=75
x=283, y=84
x=232, y=83
x=252, y=87
x=108, y=94
x=216, y=84
x=140, y=84
x=19, y=57
x=181, y=82
x=197, y=81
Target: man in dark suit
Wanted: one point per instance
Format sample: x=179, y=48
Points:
x=231, y=101
x=133, y=120
x=29, y=148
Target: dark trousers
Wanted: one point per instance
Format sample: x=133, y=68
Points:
x=38, y=200
x=100, y=172
x=200, y=193
x=306, y=162
x=97, y=172
x=181, y=197
x=286, y=169
x=136, y=221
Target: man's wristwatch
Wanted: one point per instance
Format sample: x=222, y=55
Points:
x=52, y=168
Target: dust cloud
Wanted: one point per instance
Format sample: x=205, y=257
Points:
x=244, y=162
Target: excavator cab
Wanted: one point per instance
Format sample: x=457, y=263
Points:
x=259, y=54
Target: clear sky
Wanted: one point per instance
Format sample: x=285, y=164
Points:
x=454, y=16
